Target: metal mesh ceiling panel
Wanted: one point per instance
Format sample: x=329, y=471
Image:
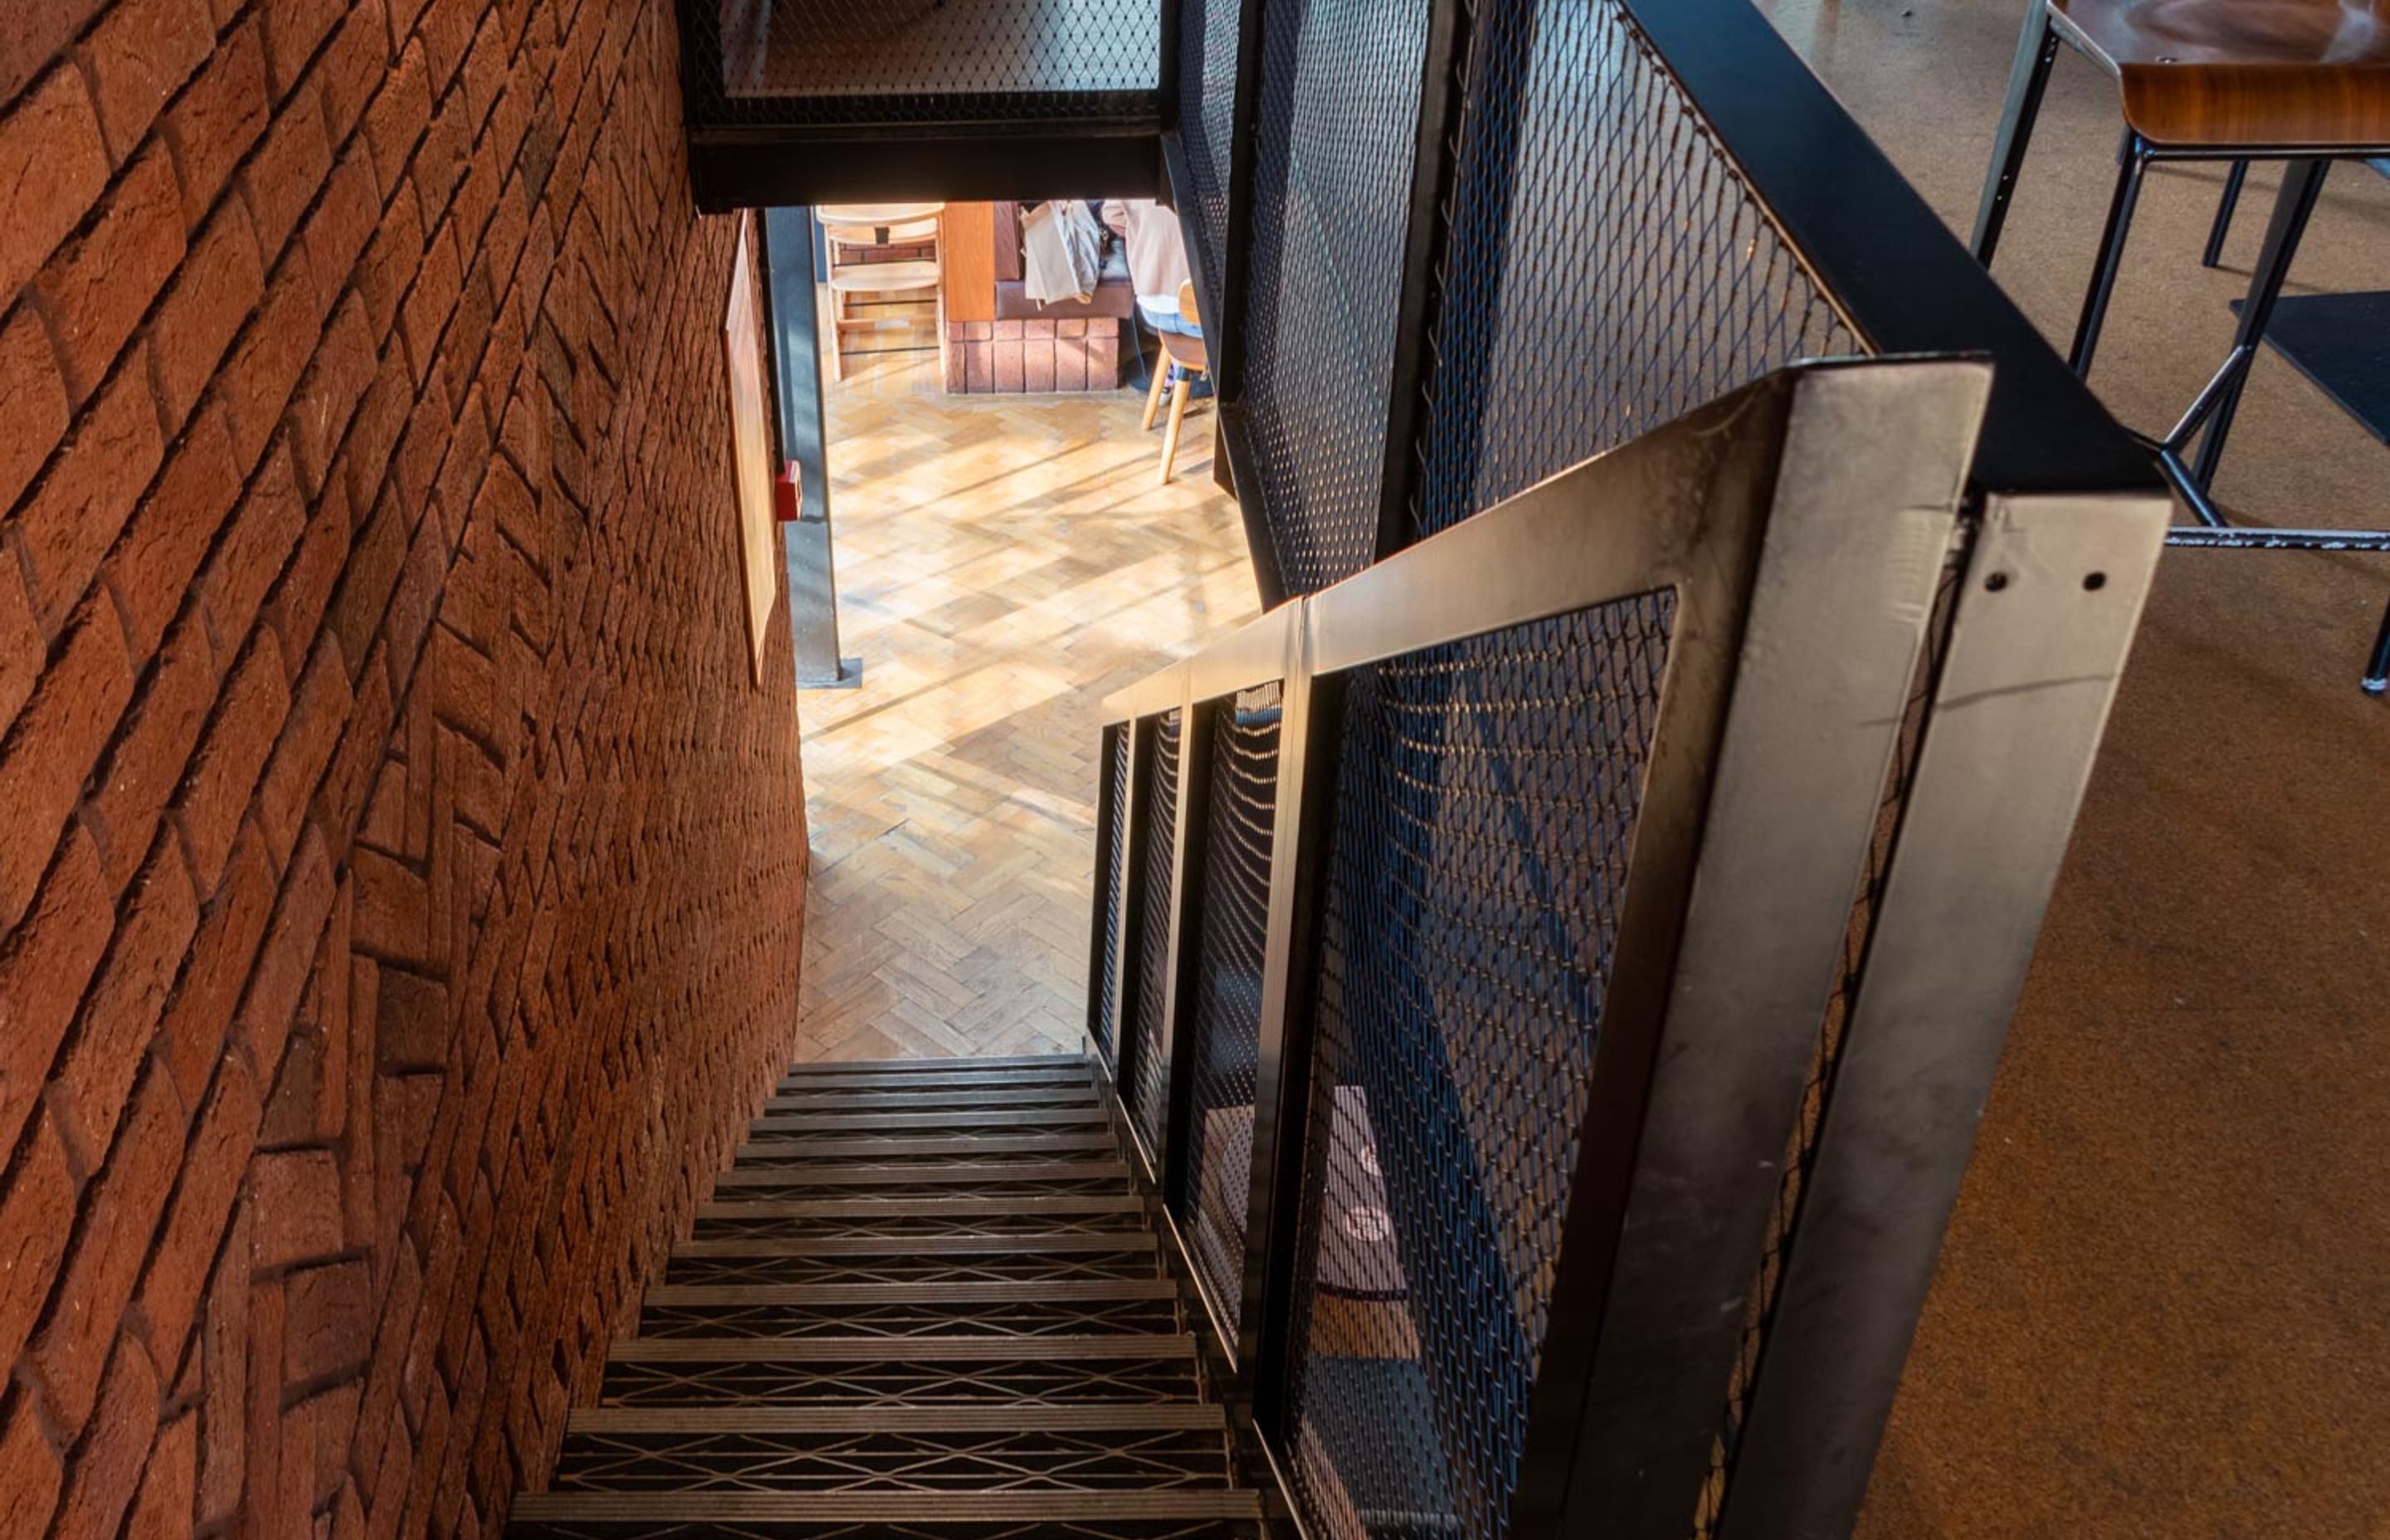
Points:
x=927, y=61
x=1608, y=268
x=1339, y=106
x=1210, y=1188
x=1487, y=793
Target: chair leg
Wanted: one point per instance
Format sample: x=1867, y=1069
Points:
x=2036, y=51
x=1177, y=415
x=2133, y=159
x=1153, y=396
x=2214, y=255
x=2377, y=667
x=837, y=337
x=2302, y=184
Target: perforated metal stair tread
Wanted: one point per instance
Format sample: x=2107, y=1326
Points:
x=943, y=1293
x=899, y=1208
x=909, y=1508
x=990, y=1117
x=942, y=1148
x=878, y=1175
x=844, y=1068
x=1073, y=1073
x=887, y=1419
x=942, y=1350
x=939, y=1245
x=934, y=1099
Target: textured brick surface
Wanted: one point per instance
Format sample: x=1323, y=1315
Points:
x=400, y=875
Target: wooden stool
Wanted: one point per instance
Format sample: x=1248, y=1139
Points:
x=2303, y=82
x=1187, y=353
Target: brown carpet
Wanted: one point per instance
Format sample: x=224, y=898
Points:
x=2165, y=1306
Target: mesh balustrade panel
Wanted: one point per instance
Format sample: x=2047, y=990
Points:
x=1339, y=104
x=1207, y=96
x=1607, y=268
x=924, y=61
x=1209, y=1190
x=1487, y=791
x=1148, y=1064
x=1108, y=894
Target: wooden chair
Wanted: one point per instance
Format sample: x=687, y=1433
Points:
x=1187, y=353
x=851, y=234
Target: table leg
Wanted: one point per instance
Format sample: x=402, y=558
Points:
x=2302, y=182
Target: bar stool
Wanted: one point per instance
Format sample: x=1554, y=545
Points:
x=2302, y=81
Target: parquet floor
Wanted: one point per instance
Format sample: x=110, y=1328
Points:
x=1002, y=563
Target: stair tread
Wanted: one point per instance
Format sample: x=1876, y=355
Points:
x=891, y=1419
x=898, y=1208
x=935, y=1098
x=896, y=1507
x=687, y=1295
x=948, y=1349
x=872, y=1175
x=955, y=1065
x=1070, y=1073
x=1027, y=1243
x=947, y=1147
x=989, y=1117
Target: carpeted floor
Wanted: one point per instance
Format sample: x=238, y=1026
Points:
x=2165, y=1309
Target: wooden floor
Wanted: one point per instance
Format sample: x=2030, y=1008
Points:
x=1002, y=564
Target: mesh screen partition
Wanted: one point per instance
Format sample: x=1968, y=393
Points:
x=1333, y=127
x=1607, y=268
x=1209, y=1190
x=916, y=61
x=1148, y=1067
x=1115, y=840
x=1486, y=795
x=1207, y=101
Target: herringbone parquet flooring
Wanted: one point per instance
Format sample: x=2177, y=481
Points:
x=1002, y=564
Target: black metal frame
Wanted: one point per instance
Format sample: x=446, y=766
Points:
x=1742, y=875
x=2208, y=420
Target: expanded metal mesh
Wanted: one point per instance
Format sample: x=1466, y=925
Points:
x=1210, y=1188
x=1607, y=268
x=923, y=61
x=1338, y=109
x=1148, y=1062
x=1208, y=32
x=1486, y=795
x=1115, y=840
x=1784, y=1219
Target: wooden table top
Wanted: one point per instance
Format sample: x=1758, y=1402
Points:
x=2232, y=73
x=874, y=216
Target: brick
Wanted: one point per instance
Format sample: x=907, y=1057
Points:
x=33, y=403
x=53, y=168
x=46, y=760
x=161, y=1510
x=280, y=180
x=297, y=1197
x=424, y=314
x=354, y=67
x=223, y=1417
x=71, y=1348
x=218, y=118
x=335, y=380
x=136, y=58
x=391, y=258
x=38, y=1211
x=259, y=376
x=327, y=1322
x=295, y=609
x=22, y=651
x=200, y=1019
x=255, y=544
x=225, y=771
x=150, y=569
x=126, y=1001
x=343, y=223
x=108, y=1466
x=32, y=36
x=30, y=1475
x=319, y=711
x=72, y=518
x=150, y=754
x=282, y=968
x=214, y=1168
x=219, y=286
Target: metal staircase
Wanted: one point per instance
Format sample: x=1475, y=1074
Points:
x=925, y=1303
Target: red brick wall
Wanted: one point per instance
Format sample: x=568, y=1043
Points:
x=400, y=873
